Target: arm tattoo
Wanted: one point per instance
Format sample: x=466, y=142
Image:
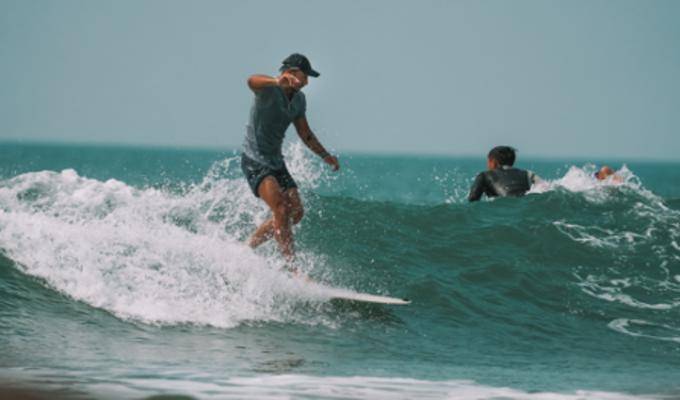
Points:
x=313, y=143
x=309, y=136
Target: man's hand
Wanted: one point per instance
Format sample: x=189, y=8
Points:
x=288, y=81
x=332, y=161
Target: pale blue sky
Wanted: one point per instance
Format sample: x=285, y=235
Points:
x=579, y=78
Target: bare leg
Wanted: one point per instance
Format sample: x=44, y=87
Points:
x=271, y=193
x=262, y=234
x=295, y=205
x=266, y=230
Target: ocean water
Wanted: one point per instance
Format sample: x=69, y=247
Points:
x=124, y=274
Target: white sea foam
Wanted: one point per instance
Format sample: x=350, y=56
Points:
x=278, y=387
x=648, y=224
x=360, y=387
x=637, y=327
x=151, y=254
x=614, y=293
x=648, y=210
x=582, y=180
x=601, y=237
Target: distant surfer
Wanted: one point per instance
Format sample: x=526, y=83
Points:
x=605, y=172
x=278, y=102
x=501, y=178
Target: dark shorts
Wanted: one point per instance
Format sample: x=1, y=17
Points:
x=256, y=172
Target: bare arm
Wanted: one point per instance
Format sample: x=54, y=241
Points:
x=309, y=138
x=257, y=82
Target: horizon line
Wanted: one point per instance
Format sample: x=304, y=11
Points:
x=354, y=152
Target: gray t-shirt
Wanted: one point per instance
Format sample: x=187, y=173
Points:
x=270, y=117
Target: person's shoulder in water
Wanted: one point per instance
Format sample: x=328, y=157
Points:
x=607, y=173
x=501, y=177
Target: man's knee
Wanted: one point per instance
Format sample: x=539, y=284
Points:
x=297, y=214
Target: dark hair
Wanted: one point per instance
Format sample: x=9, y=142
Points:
x=504, y=155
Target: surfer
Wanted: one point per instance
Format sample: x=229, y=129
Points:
x=605, y=172
x=278, y=102
x=501, y=178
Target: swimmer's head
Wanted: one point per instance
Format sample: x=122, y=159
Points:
x=501, y=156
x=604, y=173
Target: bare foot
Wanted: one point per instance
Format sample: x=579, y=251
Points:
x=297, y=273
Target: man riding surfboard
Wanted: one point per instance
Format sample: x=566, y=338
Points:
x=278, y=102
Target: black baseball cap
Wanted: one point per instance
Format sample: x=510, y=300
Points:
x=297, y=60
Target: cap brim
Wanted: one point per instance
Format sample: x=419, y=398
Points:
x=313, y=73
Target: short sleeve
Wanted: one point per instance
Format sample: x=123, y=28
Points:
x=302, y=106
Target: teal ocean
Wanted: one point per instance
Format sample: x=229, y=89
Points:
x=124, y=275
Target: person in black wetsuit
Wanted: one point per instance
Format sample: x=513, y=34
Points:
x=502, y=179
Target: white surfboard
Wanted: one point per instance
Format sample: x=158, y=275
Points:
x=323, y=291
x=345, y=294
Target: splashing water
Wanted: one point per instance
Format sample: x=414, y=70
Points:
x=569, y=292
x=154, y=255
